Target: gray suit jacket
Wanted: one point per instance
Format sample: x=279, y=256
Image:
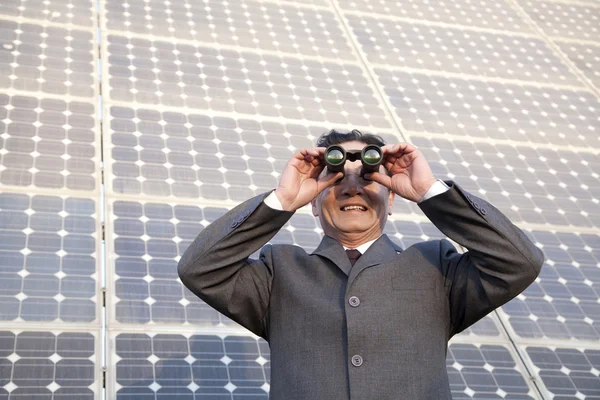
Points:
x=377, y=330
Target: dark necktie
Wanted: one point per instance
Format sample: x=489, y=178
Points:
x=353, y=255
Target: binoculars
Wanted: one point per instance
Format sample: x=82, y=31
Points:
x=371, y=157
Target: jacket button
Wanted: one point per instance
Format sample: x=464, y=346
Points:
x=483, y=211
x=354, y=301
x=357, y=361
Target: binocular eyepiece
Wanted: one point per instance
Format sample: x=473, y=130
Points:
x=371, y=157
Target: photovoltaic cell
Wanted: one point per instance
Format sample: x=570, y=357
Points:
x=484, y=14
x=474, y=108
x=402, y=44
x=46, y=59
x=530, y=185
x=270, y=26
x=576, y=21
x=239, y=81
x=45, y=365
x=567, y=373
x=188, y=367
x=47, y=258
x=47, y=143
x=564, y=302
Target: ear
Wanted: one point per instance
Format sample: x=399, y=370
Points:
x=391, y=202
x=315, y=209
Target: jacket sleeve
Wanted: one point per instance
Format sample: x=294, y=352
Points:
x=500, y=262
x=217, y=268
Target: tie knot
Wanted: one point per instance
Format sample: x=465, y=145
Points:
x=353, y=255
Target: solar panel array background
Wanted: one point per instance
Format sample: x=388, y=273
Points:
x=126, y=127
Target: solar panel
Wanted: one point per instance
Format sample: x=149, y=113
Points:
x=492, y=110
x=585, y=56
x=47, y=143
x=402, y=44
x=190, y=365
x=484, y=14
x=566, y=373
x=217, y=79
x=128, y=127
x=48, y=258
x=268, y=26
x=564, y=302
x=38, y=364
x=484, y=371
x=528, y=184
x=578, y=21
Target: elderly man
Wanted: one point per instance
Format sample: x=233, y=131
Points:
x=371, y=322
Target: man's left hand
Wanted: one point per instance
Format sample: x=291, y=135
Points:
x=411, y=175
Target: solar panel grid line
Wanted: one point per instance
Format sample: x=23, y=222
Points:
x=482, y=14
x=425, y=22
x=234, y=115
x=590, y=3
x=582, y=77
x=494, y=141
x=447, y=74
x=47, y=23
x=563, y=371
x=562, y=39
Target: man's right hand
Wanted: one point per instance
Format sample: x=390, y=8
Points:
x=300, y=183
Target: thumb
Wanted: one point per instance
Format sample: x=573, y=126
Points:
x=328, y=180
x=380, y=178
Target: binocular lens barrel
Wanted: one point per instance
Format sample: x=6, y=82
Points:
x=370, y=156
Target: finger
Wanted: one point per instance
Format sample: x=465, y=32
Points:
x=397, y=149
x=328, y=180
x=380, y=178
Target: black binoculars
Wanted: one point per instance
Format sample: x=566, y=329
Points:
x=371, y=157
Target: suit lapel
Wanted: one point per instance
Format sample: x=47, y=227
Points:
x=334, y=251
x=383, y=250
x=380, y=252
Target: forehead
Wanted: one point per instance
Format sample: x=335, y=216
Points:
x=353, y=145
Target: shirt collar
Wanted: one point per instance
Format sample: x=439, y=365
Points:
x=363, y=247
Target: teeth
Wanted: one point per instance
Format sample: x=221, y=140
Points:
x=354, y=208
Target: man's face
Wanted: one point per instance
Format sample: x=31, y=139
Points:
x=354, y=210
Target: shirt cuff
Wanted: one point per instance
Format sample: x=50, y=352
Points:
x=438, y=187
x=273, y=202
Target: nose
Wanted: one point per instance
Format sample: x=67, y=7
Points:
x=351, y=185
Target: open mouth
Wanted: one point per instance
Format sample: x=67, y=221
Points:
x=353, y=208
